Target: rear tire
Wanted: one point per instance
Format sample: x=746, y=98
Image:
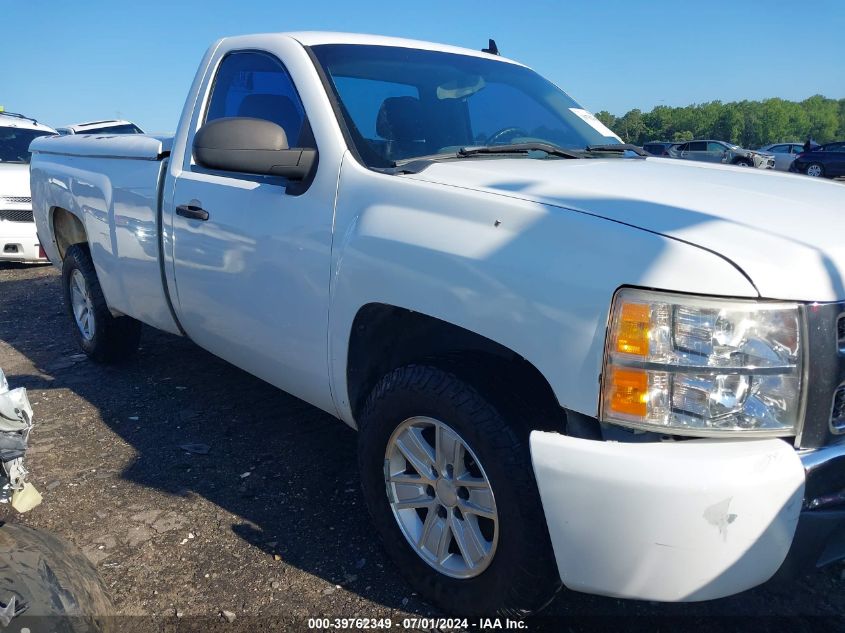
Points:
x=519, y=576
x=102, y=336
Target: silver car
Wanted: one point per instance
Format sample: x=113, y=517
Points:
x=722, y=152
x=784, y=153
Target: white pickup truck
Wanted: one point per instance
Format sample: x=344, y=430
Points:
x=568, y=364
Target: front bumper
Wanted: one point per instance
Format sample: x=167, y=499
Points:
x=820, y=535
x=19, y=242
x=668, y=521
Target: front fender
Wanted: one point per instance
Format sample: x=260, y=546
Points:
x=534, y=278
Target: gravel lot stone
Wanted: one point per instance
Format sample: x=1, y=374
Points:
x=291, y=540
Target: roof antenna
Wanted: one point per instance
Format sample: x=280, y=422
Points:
x=491, y=48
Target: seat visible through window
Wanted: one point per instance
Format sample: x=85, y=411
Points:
x=255, y=84
x=276, y=108
x=401, y=123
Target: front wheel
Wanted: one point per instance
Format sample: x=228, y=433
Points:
x=102, y=336
x=742, y=162
x=815, y=170
x=449, y=484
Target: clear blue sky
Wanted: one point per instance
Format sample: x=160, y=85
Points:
x=66, y=62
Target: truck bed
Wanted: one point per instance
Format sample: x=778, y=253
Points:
x=112, y=185
x=133, y=146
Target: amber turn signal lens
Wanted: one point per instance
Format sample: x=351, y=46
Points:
x=632, y=329
x=629, y=392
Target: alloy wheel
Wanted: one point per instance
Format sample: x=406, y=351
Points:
x=441, y=497
x=83, y=308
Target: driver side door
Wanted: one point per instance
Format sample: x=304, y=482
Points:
x=716, y=152
x=252, y=252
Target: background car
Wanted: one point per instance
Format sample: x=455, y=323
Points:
x=110, y=126
x=827, y=161
x=18, y=238
x=710, y=151
x=658, y=148
x=784, y=153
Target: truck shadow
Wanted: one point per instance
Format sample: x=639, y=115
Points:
x=301, y=499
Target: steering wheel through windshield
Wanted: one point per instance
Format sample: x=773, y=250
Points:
x=505, y=135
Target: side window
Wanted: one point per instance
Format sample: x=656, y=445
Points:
x=698, y=146
x=779, y=149
x=254, y=84
x=715, y=147
x=683, y=147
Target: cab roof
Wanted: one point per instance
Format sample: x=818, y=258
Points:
x=317, y=38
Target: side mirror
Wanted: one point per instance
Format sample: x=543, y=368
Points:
x=251, y=146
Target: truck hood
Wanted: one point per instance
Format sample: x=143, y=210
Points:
x=14, y=180
x=785, y=232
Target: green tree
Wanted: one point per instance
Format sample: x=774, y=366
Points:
x=748, y=123
x=607, y=118
x=631, y=127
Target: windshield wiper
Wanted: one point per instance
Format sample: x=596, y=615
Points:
x=418, y=163
x=617, y=147
x=517, y=148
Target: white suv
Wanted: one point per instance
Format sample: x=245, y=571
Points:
x=18, y=239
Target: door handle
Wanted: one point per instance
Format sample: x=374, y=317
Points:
x=192, y=212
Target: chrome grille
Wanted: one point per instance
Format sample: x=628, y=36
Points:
x=15, y=200
x=837, y=414
x=16, y=215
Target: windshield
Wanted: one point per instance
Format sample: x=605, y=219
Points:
x=14, y=143
x=403, y=103
x=127, y=128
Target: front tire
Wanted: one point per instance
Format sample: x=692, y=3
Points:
x=815, y=170
x=742, y=162
x=449, y=483
x=102, y=336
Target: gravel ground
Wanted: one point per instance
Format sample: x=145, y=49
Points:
x=269, y=525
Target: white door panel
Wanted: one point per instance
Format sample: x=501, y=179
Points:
x=252, y=280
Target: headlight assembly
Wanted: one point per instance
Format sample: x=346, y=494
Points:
x=703, y=366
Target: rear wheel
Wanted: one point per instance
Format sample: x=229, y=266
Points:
x=815, y=170
x=102, y=336
x=449, y=483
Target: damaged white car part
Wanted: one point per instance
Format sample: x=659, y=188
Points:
x=15, y=426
